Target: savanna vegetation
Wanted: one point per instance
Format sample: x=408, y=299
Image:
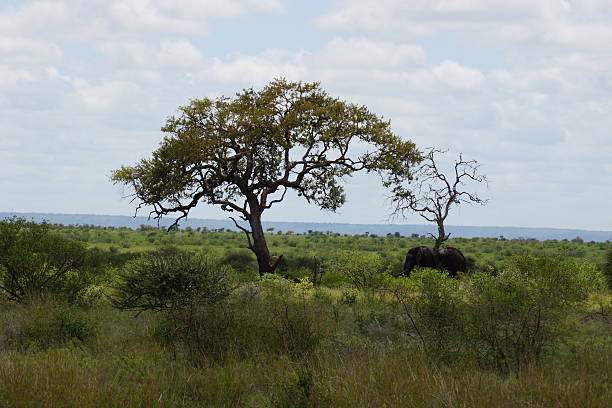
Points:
x=105, y=317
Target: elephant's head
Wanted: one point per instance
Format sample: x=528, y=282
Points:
x=418, y=256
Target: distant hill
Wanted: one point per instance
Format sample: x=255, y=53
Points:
x=342, y=228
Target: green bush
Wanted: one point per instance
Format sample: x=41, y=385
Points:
x=205, y=331
x=273, y=315
x=35, y=260
x=433, y=308
x=170, y=279
x=45, y=323
x=607, y=268
x=365, y=271
x=519, y=315
x=505, y=320
x=294, y=317
x=241, y=259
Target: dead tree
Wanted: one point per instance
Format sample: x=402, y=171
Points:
x=433, y=192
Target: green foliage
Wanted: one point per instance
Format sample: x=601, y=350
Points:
x=299, y=250
x=426, y=340
x=293, y=316
x=171, y=280
x=365, y=271
x=349, y=297
x=506, y=320
x=35, y=260
x=241, y=259
x=272, y=315
x=206, y=330
x=607, y=268
x=46, y=323
x=433, y=307
x=273, y=342
x=252, y=132
x=244, y=153
x=518, y=315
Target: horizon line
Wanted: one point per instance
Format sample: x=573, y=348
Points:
x=307, y=222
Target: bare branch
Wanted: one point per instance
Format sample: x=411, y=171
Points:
x=433, y=193
x=246, y=232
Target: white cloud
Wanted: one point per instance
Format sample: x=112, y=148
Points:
x=272, y=6
x=81, y=21
x=85, y=86
x=257, y=70
x=363, y=53
x=488, y=22
x=458, y=77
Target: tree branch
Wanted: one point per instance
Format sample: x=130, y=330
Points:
x=246, y=232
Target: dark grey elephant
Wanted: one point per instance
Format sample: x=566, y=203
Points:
x=450, y=259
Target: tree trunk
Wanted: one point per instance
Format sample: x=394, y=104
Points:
x=260, y=246
x=441, y=237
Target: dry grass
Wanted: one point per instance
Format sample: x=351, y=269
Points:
x=123, y=364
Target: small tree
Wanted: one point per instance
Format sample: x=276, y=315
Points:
x=244, y=153
x=434, y=192
x=34, y=260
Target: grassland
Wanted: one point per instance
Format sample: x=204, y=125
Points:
x=276, y=343
x=299, y=251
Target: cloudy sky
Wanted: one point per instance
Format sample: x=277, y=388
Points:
x=523, y=86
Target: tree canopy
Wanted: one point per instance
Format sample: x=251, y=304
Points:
x=244, y=153
x=34, y=260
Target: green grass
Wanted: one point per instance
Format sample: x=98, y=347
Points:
x=359, y=359
x=275, y=343
x=300, y=250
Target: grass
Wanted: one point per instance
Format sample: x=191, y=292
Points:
x=301, y=249
x=124, y=364
x=275, y=343
x=354, y=377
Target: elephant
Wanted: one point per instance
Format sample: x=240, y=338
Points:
x=450, y=259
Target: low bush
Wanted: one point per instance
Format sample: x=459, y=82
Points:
x=506, y=320
x=35, y=260
x=241, y=259
x=272, y=315
x=518, y=316
x=293, y=315
x=170, y=279
x=205, y=332
x=365, y=271
x=433, y=309
x=44, y=323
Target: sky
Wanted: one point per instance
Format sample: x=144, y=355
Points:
x=522, y=86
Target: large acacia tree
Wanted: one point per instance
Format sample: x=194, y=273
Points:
x=244, y=153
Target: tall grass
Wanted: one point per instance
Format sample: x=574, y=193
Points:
x=285, y=346
x=355, y=377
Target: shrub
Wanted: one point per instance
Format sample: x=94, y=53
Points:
x=35, y=260
x=241, y=259
x=206, y=331
x=607, y=268
x=170, y=279
x=45, y=323
x=518, y=315
x=365, y=271
x=433, y=307
x=273, y=315
x=292, y=314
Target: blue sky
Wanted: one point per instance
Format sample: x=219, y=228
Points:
x=523, y=86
